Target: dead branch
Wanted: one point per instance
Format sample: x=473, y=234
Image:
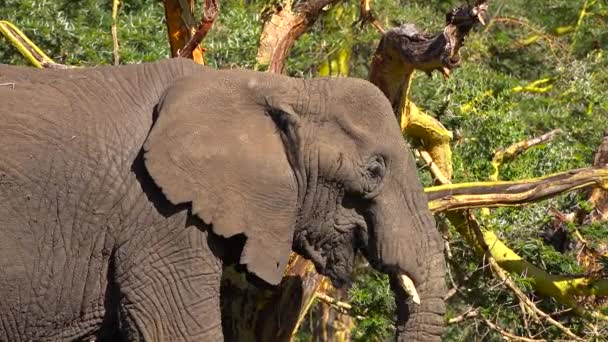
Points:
x=404, y=49
x=192, y=48
x=512, y=193
x=514, y=150
x=466, y=224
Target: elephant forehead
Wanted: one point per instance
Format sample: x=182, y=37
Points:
x=360, y=96
x=363, y=105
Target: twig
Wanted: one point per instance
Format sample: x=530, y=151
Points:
x=435, y=170
x=474, y=313
x=332, y=301
x=455, y=288
x=524, y=317
x=506, y=334
x=115, y=6
x=342, y=307
x=471, y=313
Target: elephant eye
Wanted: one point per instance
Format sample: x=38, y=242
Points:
x=376, y=168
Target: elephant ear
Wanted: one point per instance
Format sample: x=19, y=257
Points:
x=215, y=144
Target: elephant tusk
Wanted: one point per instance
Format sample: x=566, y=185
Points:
x=410, y=289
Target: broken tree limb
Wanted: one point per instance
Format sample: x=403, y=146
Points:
x=404, y=49
x=512, y=193
x=514, y=150
x=334, y=302
x=561, y=288
x=282, y=30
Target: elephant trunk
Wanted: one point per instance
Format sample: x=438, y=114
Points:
x=405, y=241
x=423, y=321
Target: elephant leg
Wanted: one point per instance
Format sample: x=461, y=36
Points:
x=171, y=290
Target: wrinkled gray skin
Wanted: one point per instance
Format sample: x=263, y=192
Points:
x=120, y=186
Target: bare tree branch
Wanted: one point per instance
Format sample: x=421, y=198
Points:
x=210, y=12
x=512, y=193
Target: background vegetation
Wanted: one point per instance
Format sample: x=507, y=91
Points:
x=488, y=101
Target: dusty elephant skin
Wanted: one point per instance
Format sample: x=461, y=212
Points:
x=124, y=189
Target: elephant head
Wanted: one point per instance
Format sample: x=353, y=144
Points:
x=318, y=166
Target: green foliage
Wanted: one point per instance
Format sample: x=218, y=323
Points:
x=233, y=41
x=371, y=298
x=78, y=32
x=526, y=42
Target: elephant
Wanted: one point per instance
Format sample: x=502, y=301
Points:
x=126, y=190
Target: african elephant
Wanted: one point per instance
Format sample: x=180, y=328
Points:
x=124, y=191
